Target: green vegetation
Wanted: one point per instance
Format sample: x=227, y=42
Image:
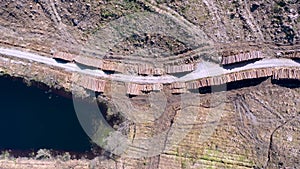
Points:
x=5, y=155
x=43, y=154
x=277, y=8
x=183, y=164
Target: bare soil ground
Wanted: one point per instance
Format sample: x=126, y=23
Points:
x=259, y=124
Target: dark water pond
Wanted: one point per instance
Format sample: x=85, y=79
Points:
x=32, y=118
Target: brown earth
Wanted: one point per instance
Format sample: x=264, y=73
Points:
x=255, y=125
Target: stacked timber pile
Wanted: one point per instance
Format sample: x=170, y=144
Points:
x=100, y=64
x=147, y=69
x=158, y=71
x=178, y=87
x=64, y=56
x=231, y=77
x=292, y=54
x=286, y=73
x=112, y=66
x=109, y=65
x=241, y=57
x=134, y=89
x=92, y=83
x=147, y=87
x=137, y=89
x=157, y=87
x=178, y=91
x=264, y=72
x=179, y=68
x=89, y=61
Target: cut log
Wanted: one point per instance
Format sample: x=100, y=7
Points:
x=287, y=73
x=89, y=61
x=147, y=87
x=157, y=87
x=226, y=78
x=137, y=89
x=134, y=89
x=145, y=69
x=92, y=83
x=109, y=65
x=193, y=85
x=292, y=54
x=180, y=68
x=241, y=57
x=178, y=85
x=178, y=91
x=158, y=71
x=64, y=56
